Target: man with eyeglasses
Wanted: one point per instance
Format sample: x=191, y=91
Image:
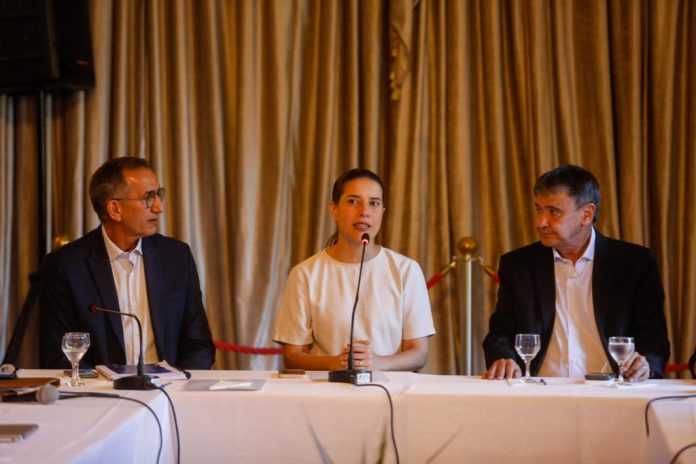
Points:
x=576, y=288
x=125, y=265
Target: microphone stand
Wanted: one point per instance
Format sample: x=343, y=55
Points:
x=140, y=381
x=352, y=375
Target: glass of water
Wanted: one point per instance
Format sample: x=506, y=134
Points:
x=621, y=348
x=527, y=346
x=75, y=346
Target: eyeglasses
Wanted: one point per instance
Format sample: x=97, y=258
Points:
x=149, y=197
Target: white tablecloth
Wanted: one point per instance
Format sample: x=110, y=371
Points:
x=437, y=419
x=89, y=430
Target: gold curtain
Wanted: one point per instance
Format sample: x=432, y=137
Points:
x=249, y=109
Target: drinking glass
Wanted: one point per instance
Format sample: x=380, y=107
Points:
x=527, y=346
x=621, y=348
x=75, y=346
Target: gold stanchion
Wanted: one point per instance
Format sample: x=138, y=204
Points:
x=466, y=246
x=59, y=241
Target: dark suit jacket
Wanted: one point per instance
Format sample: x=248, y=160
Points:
x=79, y=275
x=692, y=364
x=627, y=295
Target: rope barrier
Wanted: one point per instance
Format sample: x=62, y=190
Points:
x=245, y=349
x=676, y=367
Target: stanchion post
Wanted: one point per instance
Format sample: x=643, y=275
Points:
x=467, y=246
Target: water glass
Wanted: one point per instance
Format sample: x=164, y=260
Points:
x=75, y=346
x=527, y=346
x=621, y=349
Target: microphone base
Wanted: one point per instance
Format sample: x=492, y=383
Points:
x=136, y=382
x=354, y=376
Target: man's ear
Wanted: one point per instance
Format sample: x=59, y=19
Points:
x=113, y=208
x=588, y=213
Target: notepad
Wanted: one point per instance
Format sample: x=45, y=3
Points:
x=230, y=385
x=614, y=384
x=224, y=385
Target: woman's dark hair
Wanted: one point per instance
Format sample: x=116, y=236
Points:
x=339, y=186
x=108, y=180
x=580, y=185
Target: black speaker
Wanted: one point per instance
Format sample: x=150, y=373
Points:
x=45, y=44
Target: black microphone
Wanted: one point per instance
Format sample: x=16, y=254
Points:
x=352, y=375
x=45, y=394
x=140, y=381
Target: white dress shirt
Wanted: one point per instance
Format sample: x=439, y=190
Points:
x=129, y=276
x=575, y=347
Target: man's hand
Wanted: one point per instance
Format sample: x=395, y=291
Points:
x=503, y=369
x=636, y=368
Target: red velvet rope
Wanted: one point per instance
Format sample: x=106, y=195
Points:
x=676, y=367
x=434, y=280
x=245, y=349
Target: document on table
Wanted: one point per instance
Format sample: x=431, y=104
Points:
x=224, y=385
x=629, y=385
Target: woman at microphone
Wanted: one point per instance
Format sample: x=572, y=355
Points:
x=392, y=319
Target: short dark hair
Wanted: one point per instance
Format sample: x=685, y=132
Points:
x=580, y=184
x=108, y=179
x=340, y=184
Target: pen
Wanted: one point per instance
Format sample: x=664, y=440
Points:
x=543, y=381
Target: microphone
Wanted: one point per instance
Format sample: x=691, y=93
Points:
x=352, y=375
x=46, y=394
x=140, y=381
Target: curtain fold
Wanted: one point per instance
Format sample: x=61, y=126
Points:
x=248, y=111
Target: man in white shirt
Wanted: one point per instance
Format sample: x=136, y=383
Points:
x=576, y=288
x=125, y=265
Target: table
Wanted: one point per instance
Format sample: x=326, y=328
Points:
x=672, y=426
x=89, y=430
x=437, y=419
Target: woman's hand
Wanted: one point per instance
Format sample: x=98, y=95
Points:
x=363, y=357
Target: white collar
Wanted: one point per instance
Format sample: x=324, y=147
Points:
x=114, y=251
x=588, y=255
